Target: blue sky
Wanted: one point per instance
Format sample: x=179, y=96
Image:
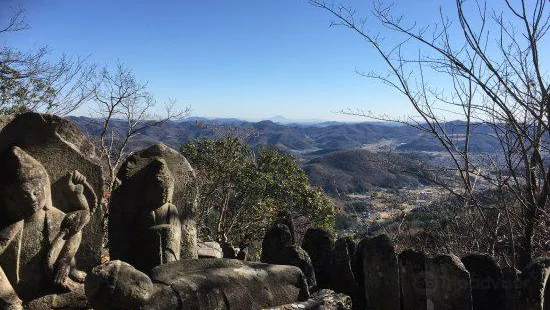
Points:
x=248, y=59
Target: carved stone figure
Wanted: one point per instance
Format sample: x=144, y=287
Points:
x=285, y=217
x=194, y=284
x=38, y=242
x=129, y=198
x=60, y=147
x=151, y=235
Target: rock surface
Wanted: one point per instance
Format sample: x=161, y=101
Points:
x=4, y=120
x=448, y=283
x=412, y=269
x=486, y=281
x=342, y=278
x=209, y=249
x=535, y=286
x=380, y=270
x=195, y=284
x=277, y=248
x=322, y=300
x=511, y=278
x=360, y=301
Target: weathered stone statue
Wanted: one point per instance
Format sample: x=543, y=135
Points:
x=38, y=242
x=151, y=218
x=60, y=147
x=195, y=284
x=152, y=233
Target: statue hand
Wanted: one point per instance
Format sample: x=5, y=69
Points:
x=74, y=222
x=77, y=181
x=77, y=178
x=78, y=185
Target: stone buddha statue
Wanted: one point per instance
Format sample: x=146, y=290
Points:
x=158, y=223
x=38, y=242
x=144, y=226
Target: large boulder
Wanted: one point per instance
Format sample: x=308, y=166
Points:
x=319, y=243
x=61, y=148
x=195, y=284
x=125, y=201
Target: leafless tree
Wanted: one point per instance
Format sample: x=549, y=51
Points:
x=489, y=59
x=31, y=82
x=125, y=109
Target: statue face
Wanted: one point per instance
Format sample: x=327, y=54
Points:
x=25, y=199
x=34, y=194
x=159, y=185
x=25, y=186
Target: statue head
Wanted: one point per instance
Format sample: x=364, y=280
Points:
x=158, y=184
x=281, y=235
x=24, y=184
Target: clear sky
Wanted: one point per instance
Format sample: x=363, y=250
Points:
x=249, y=59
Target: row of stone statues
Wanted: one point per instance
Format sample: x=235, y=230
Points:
x=52, y=224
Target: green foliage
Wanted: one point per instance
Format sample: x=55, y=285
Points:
x=242, y=191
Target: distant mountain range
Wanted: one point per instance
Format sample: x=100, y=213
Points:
x=299, y=138
x=340, y=157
